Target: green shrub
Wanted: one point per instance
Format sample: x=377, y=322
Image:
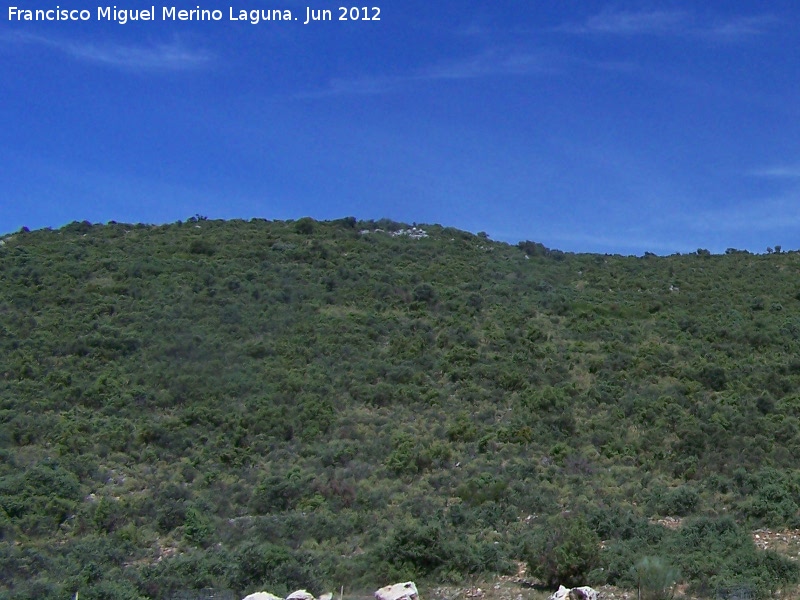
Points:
x=681, y=501
x=717, y=552
x=564, y=551
x=405, y=457
x=304, y=226
x=197, y=527
x=279, y=492
x=199, y=246
x=417, y=548
x=269, y=566
x=655, y=578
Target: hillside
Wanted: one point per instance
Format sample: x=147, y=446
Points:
x=266, y=404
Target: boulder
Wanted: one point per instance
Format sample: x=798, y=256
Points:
x=578, y=593
x=398, y=591
x=561, y=594
x=583, y=593
x=298, y=595
x=262, y=596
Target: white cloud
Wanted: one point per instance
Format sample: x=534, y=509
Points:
x=630, y=23
x=738, y=27
x=760, y=215
x=488, y=64
x=172, y=56
x=671, y=23
x=777, y=172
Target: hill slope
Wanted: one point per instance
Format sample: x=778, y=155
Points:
x=303, y=404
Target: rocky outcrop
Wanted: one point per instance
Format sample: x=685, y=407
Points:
x=398, y=591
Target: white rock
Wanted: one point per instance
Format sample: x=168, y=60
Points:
x=587, y=593
x=561, y=594
x=300, y=595
x=398, y=591
x=262, y=596
x=579, y=593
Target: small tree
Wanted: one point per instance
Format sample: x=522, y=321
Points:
x=655, y=578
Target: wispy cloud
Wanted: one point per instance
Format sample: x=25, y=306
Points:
x=777, y=172
x=629, y=23
x=778, y=214
x=491, y=63
x=488, y=64
x=173, y=56
x=670, y=23
x=738, y=27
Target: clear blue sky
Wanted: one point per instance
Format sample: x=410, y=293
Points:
x=588, y=126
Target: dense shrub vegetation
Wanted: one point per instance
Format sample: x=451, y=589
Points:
x=249, y=405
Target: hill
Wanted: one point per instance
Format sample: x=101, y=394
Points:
x=266, y=404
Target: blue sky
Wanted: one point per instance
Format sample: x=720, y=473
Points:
x=588, y=126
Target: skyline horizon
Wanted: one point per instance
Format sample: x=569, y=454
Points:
x=199, y=218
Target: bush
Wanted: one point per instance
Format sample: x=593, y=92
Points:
x=417, y=549
x=773, y=503
x=268, y=566
x=304, y=226
x=279, y=492
x=565, y=552
x=198, y=246
x=405, y=458
x=424, y=293
x=197, y=527
x=681, y=501
x=655, y=578
x=716, y=552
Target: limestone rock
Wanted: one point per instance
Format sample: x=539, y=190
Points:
x=585, y=593
x=398, y=591
x=561, y=594
x=578, y=593
x=262, y=596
